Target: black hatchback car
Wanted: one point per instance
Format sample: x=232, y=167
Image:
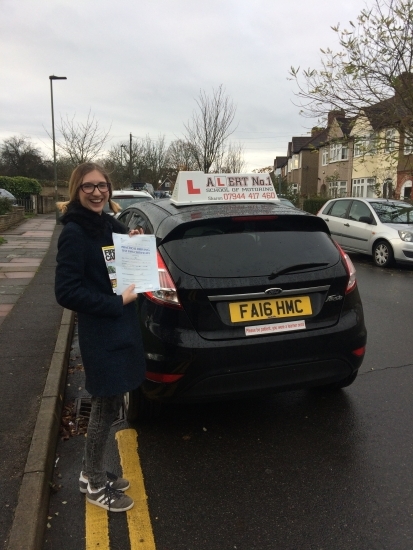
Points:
x=254, y=298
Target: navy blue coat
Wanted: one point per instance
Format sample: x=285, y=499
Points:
x=109, y=334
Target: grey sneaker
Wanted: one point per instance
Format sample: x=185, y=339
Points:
x=110, y=499
x=115, y=482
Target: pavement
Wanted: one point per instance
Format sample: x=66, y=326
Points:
x=35, y=339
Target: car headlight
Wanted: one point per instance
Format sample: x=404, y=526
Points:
x=406, y=236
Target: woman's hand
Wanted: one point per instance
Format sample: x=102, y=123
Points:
x=138, y=231
x=129, y=295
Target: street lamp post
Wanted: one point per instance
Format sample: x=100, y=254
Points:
x=122, y=147
x=51, y=78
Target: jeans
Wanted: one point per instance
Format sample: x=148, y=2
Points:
x=104, y=411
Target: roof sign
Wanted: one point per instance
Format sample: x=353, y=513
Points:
x=200, y=188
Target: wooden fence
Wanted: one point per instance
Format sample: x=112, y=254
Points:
x=37, y=204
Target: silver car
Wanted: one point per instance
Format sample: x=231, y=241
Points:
x=126, y=197
x=381, y=228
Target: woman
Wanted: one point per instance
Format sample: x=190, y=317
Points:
x=109, y=334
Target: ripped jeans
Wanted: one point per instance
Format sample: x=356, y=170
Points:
x=103, y=413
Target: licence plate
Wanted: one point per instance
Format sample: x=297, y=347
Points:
x=273, y=308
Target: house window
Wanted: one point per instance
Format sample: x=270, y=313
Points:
x=295, y=162
x=363, y=187
x=408, y=145
x=390, y=140
x=294, y=188
x=358, y=146
x=338, y=151
x=365, y=145
x=337, y=189
x=290, y=165
x=324, y=157
x=371, y=144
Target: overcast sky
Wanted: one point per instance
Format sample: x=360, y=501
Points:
x=138, y=66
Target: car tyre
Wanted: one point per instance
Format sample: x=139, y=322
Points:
x=382, y=254
x=138, y=407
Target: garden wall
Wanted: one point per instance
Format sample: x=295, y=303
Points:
x=12, y=218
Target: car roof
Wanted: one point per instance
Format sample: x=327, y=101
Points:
x=129, y=193
x=370, y=199
x=165, y=216
x=6, y=193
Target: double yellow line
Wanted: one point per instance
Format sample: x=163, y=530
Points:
x=139, y=523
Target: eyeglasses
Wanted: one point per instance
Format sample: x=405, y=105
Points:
x=88, y=188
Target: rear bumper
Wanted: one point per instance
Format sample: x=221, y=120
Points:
x=224, y=369
x=255, y=382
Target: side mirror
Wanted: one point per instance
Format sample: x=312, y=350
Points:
x=365, y=219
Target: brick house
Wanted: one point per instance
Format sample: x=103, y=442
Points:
x=302, y=162
x=335, y=157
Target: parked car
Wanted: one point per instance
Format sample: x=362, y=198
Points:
x=286, y=202
x=127, y=197
x=141, y=186
x=254, y=298
x=381, y=228
x=7, y=195
x=162, y=194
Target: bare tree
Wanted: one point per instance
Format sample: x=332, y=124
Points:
x=180, y=157
x=121, y=158
x=143, y=158
x=81, y=142
x=210, y=127
x=372, y=70
x=155, y=159
x=233, y=160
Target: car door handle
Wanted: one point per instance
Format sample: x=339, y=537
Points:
x=346, y=225
x=326, y=220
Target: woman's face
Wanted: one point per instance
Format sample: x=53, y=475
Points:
x=96, y=200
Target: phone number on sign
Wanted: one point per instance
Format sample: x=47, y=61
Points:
x=246, y=196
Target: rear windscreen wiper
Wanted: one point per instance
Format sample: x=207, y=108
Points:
x=297, y=267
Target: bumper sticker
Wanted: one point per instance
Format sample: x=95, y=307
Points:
x=275, y=327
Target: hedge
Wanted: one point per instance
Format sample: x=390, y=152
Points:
x=313, y=204
x=5, y=206
x=20, y=187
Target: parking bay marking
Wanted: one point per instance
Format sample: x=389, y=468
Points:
x=96, y=528
x=139, y=523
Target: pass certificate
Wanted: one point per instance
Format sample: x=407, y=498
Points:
x=136, y=262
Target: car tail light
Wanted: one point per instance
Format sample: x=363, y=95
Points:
x=351, y=270
x=162, y=378
x=359, y=352
x=166, y=295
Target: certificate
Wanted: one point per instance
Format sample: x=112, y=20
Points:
x=136, y=262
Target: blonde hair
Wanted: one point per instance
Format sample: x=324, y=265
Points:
x=76, y=180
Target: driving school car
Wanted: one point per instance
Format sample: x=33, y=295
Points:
x=255, y=296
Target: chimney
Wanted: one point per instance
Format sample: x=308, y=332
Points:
x=333, y=114
x=403, y=86
x=316, y=130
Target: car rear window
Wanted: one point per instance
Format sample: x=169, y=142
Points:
x=250, y=247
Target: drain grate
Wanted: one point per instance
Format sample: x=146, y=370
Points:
x=83, y=406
